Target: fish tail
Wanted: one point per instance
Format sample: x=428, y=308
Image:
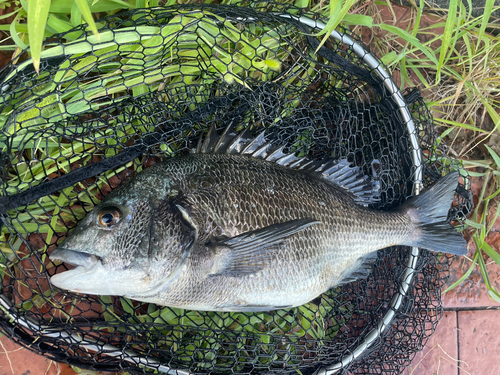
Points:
x=429, y=214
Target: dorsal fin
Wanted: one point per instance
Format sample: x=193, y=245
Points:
x=340, y=172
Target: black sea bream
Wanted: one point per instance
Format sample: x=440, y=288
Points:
x=240, y=226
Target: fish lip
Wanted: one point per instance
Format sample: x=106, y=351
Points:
x=74, y=258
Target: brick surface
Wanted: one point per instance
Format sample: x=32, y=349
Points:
x=16, y=360
x=472, y=292
x=479, y=334
x=439, y=357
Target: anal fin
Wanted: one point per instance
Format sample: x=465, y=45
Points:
x=360, y=269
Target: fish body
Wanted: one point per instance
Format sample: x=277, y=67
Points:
x=241, y=226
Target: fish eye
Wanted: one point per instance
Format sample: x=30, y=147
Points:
x=109, y=216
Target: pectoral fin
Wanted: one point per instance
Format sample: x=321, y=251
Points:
x=252, y=251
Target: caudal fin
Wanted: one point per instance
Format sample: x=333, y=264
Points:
x=429, y=212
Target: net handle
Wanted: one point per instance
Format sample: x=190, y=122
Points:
x=407, y=277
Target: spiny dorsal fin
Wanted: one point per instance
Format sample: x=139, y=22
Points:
x=351, y=178
x=340, y=172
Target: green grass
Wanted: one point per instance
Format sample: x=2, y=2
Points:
x=458, y=71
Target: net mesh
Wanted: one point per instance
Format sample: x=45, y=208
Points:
x=102, y=110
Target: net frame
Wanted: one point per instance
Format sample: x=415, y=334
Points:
x=397, y=302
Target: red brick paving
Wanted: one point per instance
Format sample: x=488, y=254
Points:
x=440, y=353
x=479, y=333
x=472, y=292
x=16, y=360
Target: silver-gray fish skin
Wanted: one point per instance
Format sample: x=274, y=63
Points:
x=180, y=239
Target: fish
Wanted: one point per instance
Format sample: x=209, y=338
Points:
x=240, y=225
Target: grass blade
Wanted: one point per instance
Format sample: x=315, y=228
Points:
x=448, y=31
x=338, y=9
x=494, y=155
x=406, y=36
x=76, y=15
x=460, y=125
x=466, y=274
x=488, y=8
x=38, y=12
x=491, y=253
x=87, y=15
x=358, y=19
x=13, y=33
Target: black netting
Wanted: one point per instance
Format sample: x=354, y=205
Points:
x=102, y=110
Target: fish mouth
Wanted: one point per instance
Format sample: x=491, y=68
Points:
x=74, y=258
x=90, y=276
x=85, y=265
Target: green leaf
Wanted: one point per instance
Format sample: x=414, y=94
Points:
x=389, y=57
x=491, y=253
x=358, y=19
x=403, y=34
x=420, y=10
x=58, y=25
x=491, y=111
x=495, y=156
x=38, y=12
x=474, y=224
x=127, y=305
x=460, y=125
x=448, y=31
x=466, y=275
x=488, y=8
x=302, y=3
x=484, y=272
x=337, y=12
x=13, y=34
x=494, y=295
x=495, y=193
x=446, y=132
x=76, y=15
x=64, y=6
x=87, y=14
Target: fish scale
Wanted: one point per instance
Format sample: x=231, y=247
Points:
x=239, y=225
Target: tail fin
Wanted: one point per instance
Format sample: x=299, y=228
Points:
x=429, y=213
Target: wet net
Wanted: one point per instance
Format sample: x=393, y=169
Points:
x=102, y=110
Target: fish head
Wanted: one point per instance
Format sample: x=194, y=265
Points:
x=115, y=248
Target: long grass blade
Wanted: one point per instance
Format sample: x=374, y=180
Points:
x=406, y=36
x=338, y=10
x=448, y=43
x=87, y=15
x=488, y=8
x=466, y=274
x=460, y=125
x=494, y=155
x=491, y=253
x=13, y=33
x=38, y=12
